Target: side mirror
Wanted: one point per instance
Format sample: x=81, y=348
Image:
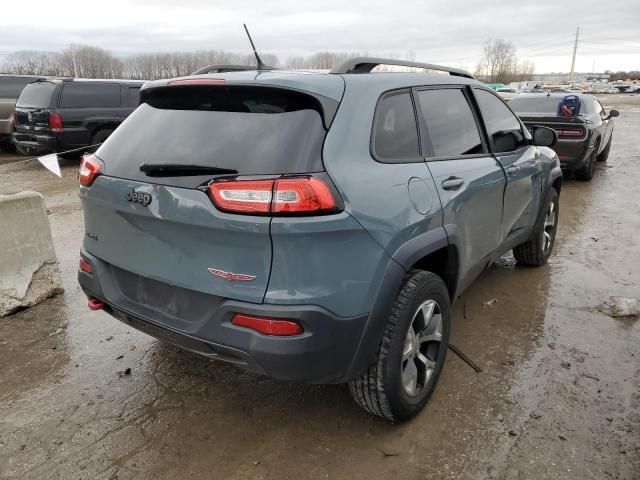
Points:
x=544, y=136
x=614, y=113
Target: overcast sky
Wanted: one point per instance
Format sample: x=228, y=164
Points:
x=445, y=31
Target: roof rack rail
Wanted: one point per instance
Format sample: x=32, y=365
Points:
x=366, y=64
x=224, y=68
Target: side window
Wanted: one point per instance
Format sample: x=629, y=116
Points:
x=90, y=95
x=502, y=125
x=600, y=109
x=395, y=134
x=450, y=122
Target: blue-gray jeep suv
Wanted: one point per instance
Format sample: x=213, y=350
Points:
x=314, y=226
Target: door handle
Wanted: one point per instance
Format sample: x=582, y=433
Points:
x=513, y=170
x=452, y=183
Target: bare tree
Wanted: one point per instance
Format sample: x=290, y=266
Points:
x=498, y=61
x=29, y=62
x=89, y=62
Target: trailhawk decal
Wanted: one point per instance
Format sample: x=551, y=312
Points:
x=242, y=277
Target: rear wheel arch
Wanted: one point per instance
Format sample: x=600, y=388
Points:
x=444, y=263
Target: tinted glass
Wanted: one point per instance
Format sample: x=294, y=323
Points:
x=133, y=96
x=450, y=121
x=36, y=95
x=396, y=131
x=538, y=105
x=90, y=95
x=10, y=87
x=502, y=125
x=250, y=129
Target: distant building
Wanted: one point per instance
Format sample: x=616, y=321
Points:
x=564, y=77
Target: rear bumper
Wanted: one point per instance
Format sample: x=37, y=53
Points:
x=573, y=153
x=201, y=323
x=35, y=144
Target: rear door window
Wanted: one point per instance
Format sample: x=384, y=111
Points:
x=502, y=125
x=254, y=130
x=395, y=135
x=450, y=121
x=90, y=95
x=36, y=95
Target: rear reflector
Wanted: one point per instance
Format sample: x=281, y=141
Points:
x=303, y=195
x=85, y=266
x=55, y=122
x=89, y=170
x=95, y=304
x=197, y=81
x=268, y=326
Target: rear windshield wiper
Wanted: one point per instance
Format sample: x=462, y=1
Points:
x=182, y=170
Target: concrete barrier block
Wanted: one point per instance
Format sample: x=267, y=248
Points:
x=28, y=265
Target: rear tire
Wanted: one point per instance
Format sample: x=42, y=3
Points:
x=537, y=250
x=604, y=155
x=412, y=351
x=585, y=174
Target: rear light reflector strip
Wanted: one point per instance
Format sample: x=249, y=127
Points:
x=197, y=81
x=268, y=326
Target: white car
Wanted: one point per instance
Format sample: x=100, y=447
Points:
x=507, y=93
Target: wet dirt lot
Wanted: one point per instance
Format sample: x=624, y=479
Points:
x=558, y=397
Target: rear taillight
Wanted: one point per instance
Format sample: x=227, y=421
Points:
x=89, y=170
x=268, y=326
x=55, y=122
x=85, y=266
x=243, y=196
x=303, y=195
x=570, y=132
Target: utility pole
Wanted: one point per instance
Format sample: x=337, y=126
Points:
x=573, y=59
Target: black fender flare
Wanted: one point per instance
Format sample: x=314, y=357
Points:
x=397, y=267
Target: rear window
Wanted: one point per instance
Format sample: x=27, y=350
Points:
x=254, y=130
x=36, y=95
x=395, y=130
x=540, y=105
x=90, y=95
x=10, y=87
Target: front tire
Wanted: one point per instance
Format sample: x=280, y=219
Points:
x=412, y=351
x=604, y=155
x=537, y=250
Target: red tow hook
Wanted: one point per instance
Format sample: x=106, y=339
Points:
x=95, y=304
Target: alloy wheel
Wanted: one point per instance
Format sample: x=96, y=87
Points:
x=421, y=347
x=548, y=232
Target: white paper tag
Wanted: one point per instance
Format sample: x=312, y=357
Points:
x=50, y=162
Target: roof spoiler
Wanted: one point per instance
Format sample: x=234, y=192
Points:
x=223, y=69
x=366, y=64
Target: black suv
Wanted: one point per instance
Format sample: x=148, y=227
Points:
x=59, y=115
